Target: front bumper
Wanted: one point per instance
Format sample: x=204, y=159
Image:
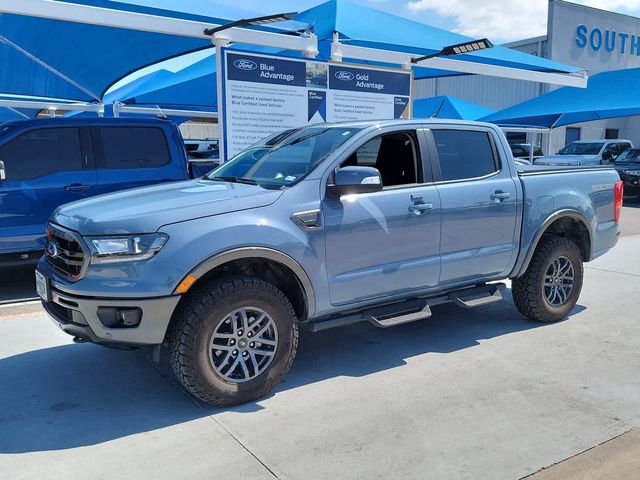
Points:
x=78, y=316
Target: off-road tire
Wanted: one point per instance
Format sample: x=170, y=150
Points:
x=200, y=314
x=528, y=290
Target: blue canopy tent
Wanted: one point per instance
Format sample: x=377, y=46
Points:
x=53, y=58
x=448, y=107
x=608, y=95
x=359, y=25
x=193, y=88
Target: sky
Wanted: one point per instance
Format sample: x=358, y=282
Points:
x=499, y=20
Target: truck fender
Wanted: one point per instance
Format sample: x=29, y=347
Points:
x=266, y=254
x=565, y=213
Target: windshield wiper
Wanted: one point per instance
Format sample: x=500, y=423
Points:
x=248, y=181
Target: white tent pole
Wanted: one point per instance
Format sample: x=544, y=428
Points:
x=174, y=112
x=220, y=44
x=48, y=67
x=41, y=104
x=55, y=10
x=442, y=63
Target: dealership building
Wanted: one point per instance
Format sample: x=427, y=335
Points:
x=592, y=39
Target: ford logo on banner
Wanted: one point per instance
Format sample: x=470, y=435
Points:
x=344, y=75
x=244, y=64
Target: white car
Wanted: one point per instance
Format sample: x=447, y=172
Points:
x=587, y=152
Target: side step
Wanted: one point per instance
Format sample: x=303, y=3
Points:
x=477, y=296
x=406, y=311
x=384, y=321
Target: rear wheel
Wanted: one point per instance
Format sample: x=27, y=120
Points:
x=233, y=341
x=550, y=287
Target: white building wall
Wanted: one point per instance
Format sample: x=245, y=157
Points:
x=562, y=44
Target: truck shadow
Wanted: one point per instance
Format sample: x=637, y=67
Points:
x=78, y=395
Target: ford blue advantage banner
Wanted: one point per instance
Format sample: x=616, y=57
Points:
x=265, y=70
x=266, y=94
x=369, y=80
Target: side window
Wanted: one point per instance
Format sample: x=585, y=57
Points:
x=131, y=147
x=623, y=146
x=395, y=155
x=41, y=152
x=464, y=154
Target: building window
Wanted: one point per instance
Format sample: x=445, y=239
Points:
x=571, y=135
x=611, y=133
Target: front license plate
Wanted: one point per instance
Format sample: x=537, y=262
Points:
x=42, y=286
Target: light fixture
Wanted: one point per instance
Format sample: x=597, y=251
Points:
x=247, y=22
x=460, y=48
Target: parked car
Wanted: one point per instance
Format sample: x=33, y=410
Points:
x=628, y=167
x=335, y=224
x=48, y=162
x=587, y=152
x=522, y=151
x=201, y=148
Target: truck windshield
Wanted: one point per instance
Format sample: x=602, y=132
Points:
x=629, y=156
x=285, y=160
x=591, y=148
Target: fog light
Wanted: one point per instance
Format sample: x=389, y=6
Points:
x=120, y=317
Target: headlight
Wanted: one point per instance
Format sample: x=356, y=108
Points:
x=633, y=172
x=125, y=249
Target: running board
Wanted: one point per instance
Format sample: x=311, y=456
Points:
x=477, y=296
x=384, y=321
x=414, y=309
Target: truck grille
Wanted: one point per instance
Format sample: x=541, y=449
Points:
x=64, y=252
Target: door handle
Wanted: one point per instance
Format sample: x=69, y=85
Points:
x=499, y=195
x=77, y=187
x=419, y=208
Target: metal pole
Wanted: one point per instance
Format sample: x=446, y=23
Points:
x=220, y=44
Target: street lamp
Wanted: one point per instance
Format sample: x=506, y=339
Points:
x=466, y=47
x=246, y=22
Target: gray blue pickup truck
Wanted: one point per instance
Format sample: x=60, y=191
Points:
x=325, y=226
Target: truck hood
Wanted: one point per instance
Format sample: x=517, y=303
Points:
x=568, y=160
x=146, y=209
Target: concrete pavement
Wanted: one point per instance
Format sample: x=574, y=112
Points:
x=465, y=394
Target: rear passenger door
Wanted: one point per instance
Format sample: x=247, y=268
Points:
x=479, y=206
x=129, y=156
x=45, y=168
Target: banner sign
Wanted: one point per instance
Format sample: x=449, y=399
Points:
x=266, y=94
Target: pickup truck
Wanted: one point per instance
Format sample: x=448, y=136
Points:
x=587, y=152
x=334, y=224
x=45, y=163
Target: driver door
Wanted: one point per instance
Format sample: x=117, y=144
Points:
x=387, y=242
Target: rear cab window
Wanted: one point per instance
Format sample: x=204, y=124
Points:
x=465, y=154
x=42, y=151
x=130, y=147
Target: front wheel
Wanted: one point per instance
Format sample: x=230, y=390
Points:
x=550, y=287
x=233, y=341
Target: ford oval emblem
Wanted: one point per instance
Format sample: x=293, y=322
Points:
x=244, y=64
x=344, y=75
x=53, y=249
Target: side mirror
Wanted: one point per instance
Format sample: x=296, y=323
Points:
x=350, y=180
x=3, y=173
x=607, y=156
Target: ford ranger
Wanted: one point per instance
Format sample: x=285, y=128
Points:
x=334, y=224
